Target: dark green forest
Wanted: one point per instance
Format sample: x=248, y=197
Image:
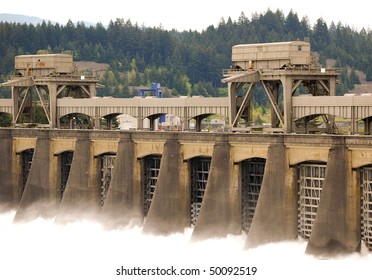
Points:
x=188, y=62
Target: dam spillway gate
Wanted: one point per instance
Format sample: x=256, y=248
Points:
x=252, y=175
x=311, y=179
x=199, y=177
x=65, y=159
x=107, y=164
x=366, y=205
x=151, y=167
x=273, y=186
x=26, y=158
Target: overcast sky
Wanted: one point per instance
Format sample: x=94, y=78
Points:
x=189, y=14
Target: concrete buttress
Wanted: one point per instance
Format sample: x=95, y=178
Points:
x=36, y=199
x=170, y=208
x=220, y=213
x=275, y=217
x=337, y=225
x=78, y=200
x=119, y=208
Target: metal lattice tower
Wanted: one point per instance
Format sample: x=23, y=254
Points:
x=278, y=67
x=199, y=177
x=311, y=179
x=252, y=176
x=39, y=80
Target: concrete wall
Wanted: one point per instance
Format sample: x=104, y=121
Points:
x=7, y=199
x=336, y=228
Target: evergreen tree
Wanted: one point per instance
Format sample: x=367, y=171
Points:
x=182, y=60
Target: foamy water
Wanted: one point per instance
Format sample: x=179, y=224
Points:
x=42, y=250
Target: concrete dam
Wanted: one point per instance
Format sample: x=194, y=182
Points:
x=274, y=187
x=287, y=181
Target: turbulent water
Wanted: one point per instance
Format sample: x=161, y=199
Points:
x=42, y=250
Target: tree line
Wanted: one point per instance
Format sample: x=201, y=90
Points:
x=187, y=62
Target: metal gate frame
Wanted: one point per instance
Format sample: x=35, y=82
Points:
x=311, y=178
x=107, y=164
x=366, y=205
x=199, y=171
x=151, y=168
x=65, y=161
x=252, y=172
x=26, y=162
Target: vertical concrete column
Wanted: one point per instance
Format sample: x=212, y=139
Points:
x=52, y=87
x=96, y=123
x=35, y=201
x=140, y=118
x=287, y=103
x=119, y=208
x=170, y=208
x=354, y=121
x=332, y=85
x=185, y=121
x=79, y=199
x=275, y=218
x=337, y=225
x=15, y=96
x=231, y=88
x=6, y=162
x=220, y=212
x=92, y=90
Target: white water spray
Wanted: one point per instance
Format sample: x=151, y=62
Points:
x=44, y=250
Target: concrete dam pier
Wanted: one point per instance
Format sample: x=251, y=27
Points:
x=275, y=187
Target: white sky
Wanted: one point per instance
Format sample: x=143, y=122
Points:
x=189, y=14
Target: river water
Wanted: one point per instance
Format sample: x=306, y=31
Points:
x=43, y=250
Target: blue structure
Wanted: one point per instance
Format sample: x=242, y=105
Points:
x=155, y=87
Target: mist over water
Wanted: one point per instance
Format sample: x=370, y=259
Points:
x=42, y=249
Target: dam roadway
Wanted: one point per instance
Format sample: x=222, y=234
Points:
x=275, y=187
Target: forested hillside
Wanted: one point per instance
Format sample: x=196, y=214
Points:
x=189, y=62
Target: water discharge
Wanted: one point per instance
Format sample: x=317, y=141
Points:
x=43, y=250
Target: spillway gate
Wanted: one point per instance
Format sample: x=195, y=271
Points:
x=252, y=175
x=366, y=205
x=65, y=159
x=151, y=167
x=107, y=162
x=311, y=179
x=26, y=158
x=199, y=177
